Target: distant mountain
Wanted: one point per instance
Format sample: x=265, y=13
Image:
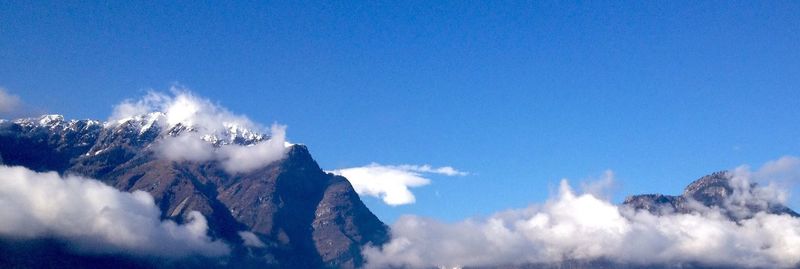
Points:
x=715, y=191
x=711, y=191
x=305, y=217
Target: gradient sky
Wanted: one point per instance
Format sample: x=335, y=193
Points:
x=517, y=94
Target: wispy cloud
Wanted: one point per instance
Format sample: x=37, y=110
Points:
x=9, y=103
x=600, y=187
x=391, y=183
x=251, y=240
x=234, y=158
x=444, y=170
x=95, y=218
x=581, y=226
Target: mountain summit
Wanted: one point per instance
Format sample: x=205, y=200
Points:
x=294, y=214
x=720, y=190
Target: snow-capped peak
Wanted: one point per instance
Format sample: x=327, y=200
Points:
x=233, y=134
x=44, y=121
x=50, y=119
x=213, y=132
x=143, y=122
x=157, y=124
x=54, y=121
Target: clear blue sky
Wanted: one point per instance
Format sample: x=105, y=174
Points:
x=518, y=94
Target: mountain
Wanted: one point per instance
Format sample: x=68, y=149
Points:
x=716, y=190
x=301, y=216
x=736, y=199
x=306, y=218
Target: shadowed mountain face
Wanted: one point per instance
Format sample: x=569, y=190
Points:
x=305, y=217
x=711, y=191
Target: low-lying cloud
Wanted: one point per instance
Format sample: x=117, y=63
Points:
x=212, y=131
x=237, y=158
x=391, y=183
x=583, y=227
x=186, y=147
x=95, y=218
x=234, y=158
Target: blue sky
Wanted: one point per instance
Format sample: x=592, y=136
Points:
x=517, y=94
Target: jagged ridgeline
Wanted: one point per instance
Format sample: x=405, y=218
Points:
x=288, y=213
x=711, y=191
x=304, y=217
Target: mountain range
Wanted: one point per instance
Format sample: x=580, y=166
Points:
x=301, y=216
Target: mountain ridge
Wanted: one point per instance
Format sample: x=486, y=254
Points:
x=715, y=190
x=305, y=217
x=301, y=216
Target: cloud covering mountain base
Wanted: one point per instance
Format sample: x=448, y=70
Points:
x=95, y=218
x=575, y=226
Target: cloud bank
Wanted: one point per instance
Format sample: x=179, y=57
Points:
x=212, y=132
x=583, y=227
x=391, y=183
x=95, y=218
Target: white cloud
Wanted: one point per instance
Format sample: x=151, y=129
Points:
x=601, y=187
x=785, y=171
x=251, y=240
x=207, y=122
x=9, y=103
x=182, y=106
x=151, y=102
x=236, y=158
x=94, y=217
x=392, y=182
x=189, y=146
x=575, y=226
x=444, y=170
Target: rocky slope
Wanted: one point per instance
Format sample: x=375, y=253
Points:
x=305, y=217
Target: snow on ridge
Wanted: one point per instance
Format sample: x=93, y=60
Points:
x=144, y=121
x=44, y=120
x=231, y=133
x=54, y=121
x=51, y=119
x=227, y=133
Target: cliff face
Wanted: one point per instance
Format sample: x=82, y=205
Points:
x=305, y=217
